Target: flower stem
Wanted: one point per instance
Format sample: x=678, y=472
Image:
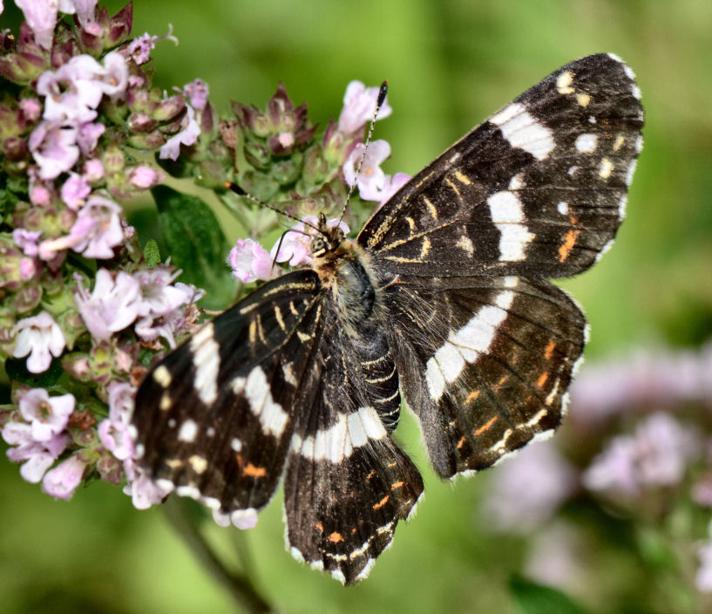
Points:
x=237, y=584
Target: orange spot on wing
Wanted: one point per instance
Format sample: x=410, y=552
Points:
x=461, y=442
x=472, y=396
x=568, y=244
x=381, y=503
x=549, y=349
x=486, y=426
x=253, y=471
x=371, y=474
x=397, y=485
x=319, y=527
x=542, y=379
x=335, y=537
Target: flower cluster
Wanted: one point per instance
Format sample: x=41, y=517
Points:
x=86, y=302
x=636, y=445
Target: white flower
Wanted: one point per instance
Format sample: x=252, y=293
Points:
x=41, y=338
x=359, y=106
x=371, y=179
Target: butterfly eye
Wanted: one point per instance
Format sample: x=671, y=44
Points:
x=318, y=246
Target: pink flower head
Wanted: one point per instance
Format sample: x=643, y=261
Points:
x=359, y=106
x=93, y=170
x=656, y=454
x=114, y=432
x=72, y=92
x=197, y=93
x=74, y=191
x=41, y=338
x=112, y=305
x=97, y=230
x=63, y=480
x=26, y=240
x=47, y=416
x=513, y=505
x=88, y=136
x=392, y=185
x=41, y=16
x=187, y=136
x=36, y=457
x=143, y=491
x=85, y=11
x=295, y=247
x=54, y=148
x=139, y=49
x=144, y=176
x=371, y=180
x=40, y=195
x=115, y=77
x=31, y=109
x=250, y=261
x=157, y=297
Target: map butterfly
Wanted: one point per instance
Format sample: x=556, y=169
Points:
x=442, y=301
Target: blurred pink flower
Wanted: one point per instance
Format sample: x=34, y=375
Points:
x=31, y=109
x=97, y=230
x=250, y=261
x=144, y=176
x=74, y=191
x=187, y=136
x=656, y=454
x=371, y=180
x=93, y=170
x=197, y=93
x=703, y=578
x=40, y=338
x=114, y=431
x=54, y=148
x=40, y=195
x=392, y=185
x=359, y=106
x=513, y=504
x=47, y=416
x=26, y=240
x=36, y=456
x=63, y=480
x=555, y=558
x=41, y=16
x=295, y=246
x=139, y=49
x=88, y=136
x=112, y=305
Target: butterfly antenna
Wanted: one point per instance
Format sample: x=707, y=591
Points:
x=382, y=93
x=233, y=187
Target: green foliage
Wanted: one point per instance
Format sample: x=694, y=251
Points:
x=17, y=371
x=196, y=244
x=151, y=253
x=533, y=598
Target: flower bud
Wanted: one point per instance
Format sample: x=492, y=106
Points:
x=169, y=108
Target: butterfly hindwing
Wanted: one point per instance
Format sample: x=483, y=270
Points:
x=538, y=189
x=214, y=418
x=485, y=363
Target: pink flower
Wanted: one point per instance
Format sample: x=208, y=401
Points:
x=197, y=93
x=112, y=305
x=359, y=106
x=54, y=148
x=40, y=195
x=74, y=191
x=41, y=16
x=63, y=480
x=139, y=49
x=157, y=296
x=47, y=416
x=187, y=136
x=72, y=92
x=250, y=261
x=97, y=230
x=556, y=558
x=36, y=457
x=371, y=180
x=85, y=12
x=392, y=185
x=703, y=578
x=26, y=240
x=88, y=136
x=31, y=109
x=41, y=338
x=295, y=245
x=513, y=505
x=144, y=176
x=116, y=75
x=656, y=454
x=93, y=170
x=143, y=491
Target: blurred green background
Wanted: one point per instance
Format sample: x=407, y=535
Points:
x=449, y=64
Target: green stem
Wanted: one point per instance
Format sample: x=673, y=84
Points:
x=237, y=584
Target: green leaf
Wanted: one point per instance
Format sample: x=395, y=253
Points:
x=17, y=372
x=533, y=598
x=196, y=244
x=151, y=254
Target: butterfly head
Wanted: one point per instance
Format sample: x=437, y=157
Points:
x=328, y=240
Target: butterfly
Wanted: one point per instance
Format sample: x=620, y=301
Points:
x=442, y=301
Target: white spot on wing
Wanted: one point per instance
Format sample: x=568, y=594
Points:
x=524, y=131
x=564, y=81
x=206, y=360
x=563, y=208
x=586, y=143
x=259, y=397
x=507, y=213
x=188, y=431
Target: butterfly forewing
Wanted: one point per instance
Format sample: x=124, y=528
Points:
x=539, y=189
x=215, y=417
